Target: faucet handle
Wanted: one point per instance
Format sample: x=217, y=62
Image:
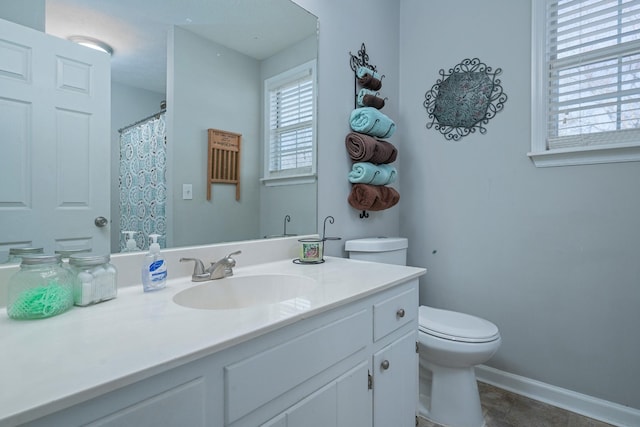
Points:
x=229, y=260
x=198, y=270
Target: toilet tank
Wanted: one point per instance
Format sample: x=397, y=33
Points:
x=388, y=250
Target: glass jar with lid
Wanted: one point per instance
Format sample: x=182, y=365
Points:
x=41, y=288
x=15, y=254
x=65, y=254
x=95, y=279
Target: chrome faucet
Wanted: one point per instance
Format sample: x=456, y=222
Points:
x=223, y=267
x=217, y=270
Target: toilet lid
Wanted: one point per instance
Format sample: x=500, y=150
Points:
x=456, y=326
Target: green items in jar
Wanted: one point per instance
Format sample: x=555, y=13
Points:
x=41, y=288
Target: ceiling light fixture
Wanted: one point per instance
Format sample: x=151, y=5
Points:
x=92, y=43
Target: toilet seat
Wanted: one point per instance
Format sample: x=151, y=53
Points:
x=454, y=326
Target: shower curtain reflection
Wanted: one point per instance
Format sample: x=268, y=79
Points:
x=142, y=181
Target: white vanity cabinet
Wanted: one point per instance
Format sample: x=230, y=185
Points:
x=351, y=365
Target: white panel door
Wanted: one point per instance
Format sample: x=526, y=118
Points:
x=54, y=142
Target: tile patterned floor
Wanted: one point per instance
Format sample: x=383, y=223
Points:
x=505, y=409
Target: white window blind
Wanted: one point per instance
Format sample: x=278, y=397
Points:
x=291, y=124
x=593, y=68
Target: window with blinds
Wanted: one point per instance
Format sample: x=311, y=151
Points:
x=589, y=76
x=290, y=123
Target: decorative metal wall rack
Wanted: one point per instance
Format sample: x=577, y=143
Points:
x=367, y=83
x=356, y=61
x=464, y=99
x=361, y=59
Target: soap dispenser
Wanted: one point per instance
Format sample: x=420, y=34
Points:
x=154, y=267
x=131, y=245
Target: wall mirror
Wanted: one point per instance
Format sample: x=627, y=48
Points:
x=208, y=61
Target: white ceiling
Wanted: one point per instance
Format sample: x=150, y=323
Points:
x=137, y=29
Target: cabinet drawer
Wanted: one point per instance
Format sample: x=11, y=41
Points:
x=394, y=312
x=259, y=379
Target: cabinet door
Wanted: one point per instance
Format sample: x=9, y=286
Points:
x=345, y=402
x=395, y=383
x=174, y=398
x=354, y=398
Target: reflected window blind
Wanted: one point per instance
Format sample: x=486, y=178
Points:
x=593, y=57
x=291, y=127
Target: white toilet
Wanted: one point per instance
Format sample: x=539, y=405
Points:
x=451, y=345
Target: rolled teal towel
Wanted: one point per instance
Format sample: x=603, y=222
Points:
x=368, y=173
x=372, y=122
x=363, y=71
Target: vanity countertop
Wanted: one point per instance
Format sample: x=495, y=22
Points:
x=50, y=364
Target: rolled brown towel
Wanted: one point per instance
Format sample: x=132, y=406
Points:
x=366, y=197
x=373, y=101
x=370, y=82
x=384, y=152
x=365, y=148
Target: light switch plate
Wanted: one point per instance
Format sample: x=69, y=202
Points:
x=187, y=191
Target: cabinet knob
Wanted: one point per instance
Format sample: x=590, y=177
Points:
x=400, y=313
x=385, y=365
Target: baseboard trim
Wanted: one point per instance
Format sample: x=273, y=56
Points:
x=599, y=409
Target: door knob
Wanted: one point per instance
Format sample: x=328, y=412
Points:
x=100, y=221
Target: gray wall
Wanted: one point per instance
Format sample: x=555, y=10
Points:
x=128, y=105
x=196, y=101
x=30, y=13
x=550, y=255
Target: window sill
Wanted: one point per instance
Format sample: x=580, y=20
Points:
x=586, y=156
x=289, y=180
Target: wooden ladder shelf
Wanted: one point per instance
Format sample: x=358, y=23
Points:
x=224, y=159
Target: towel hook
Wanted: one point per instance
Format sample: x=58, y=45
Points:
x=364, y=214
x=324, y=226
x=287, y=219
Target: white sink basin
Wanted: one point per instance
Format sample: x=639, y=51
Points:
x=245, y=291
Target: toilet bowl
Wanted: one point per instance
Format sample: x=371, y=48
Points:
x=451, y=344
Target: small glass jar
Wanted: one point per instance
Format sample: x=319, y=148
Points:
x=95, y=279
x=15, y=254
x=41, y=288
x=65, y=254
